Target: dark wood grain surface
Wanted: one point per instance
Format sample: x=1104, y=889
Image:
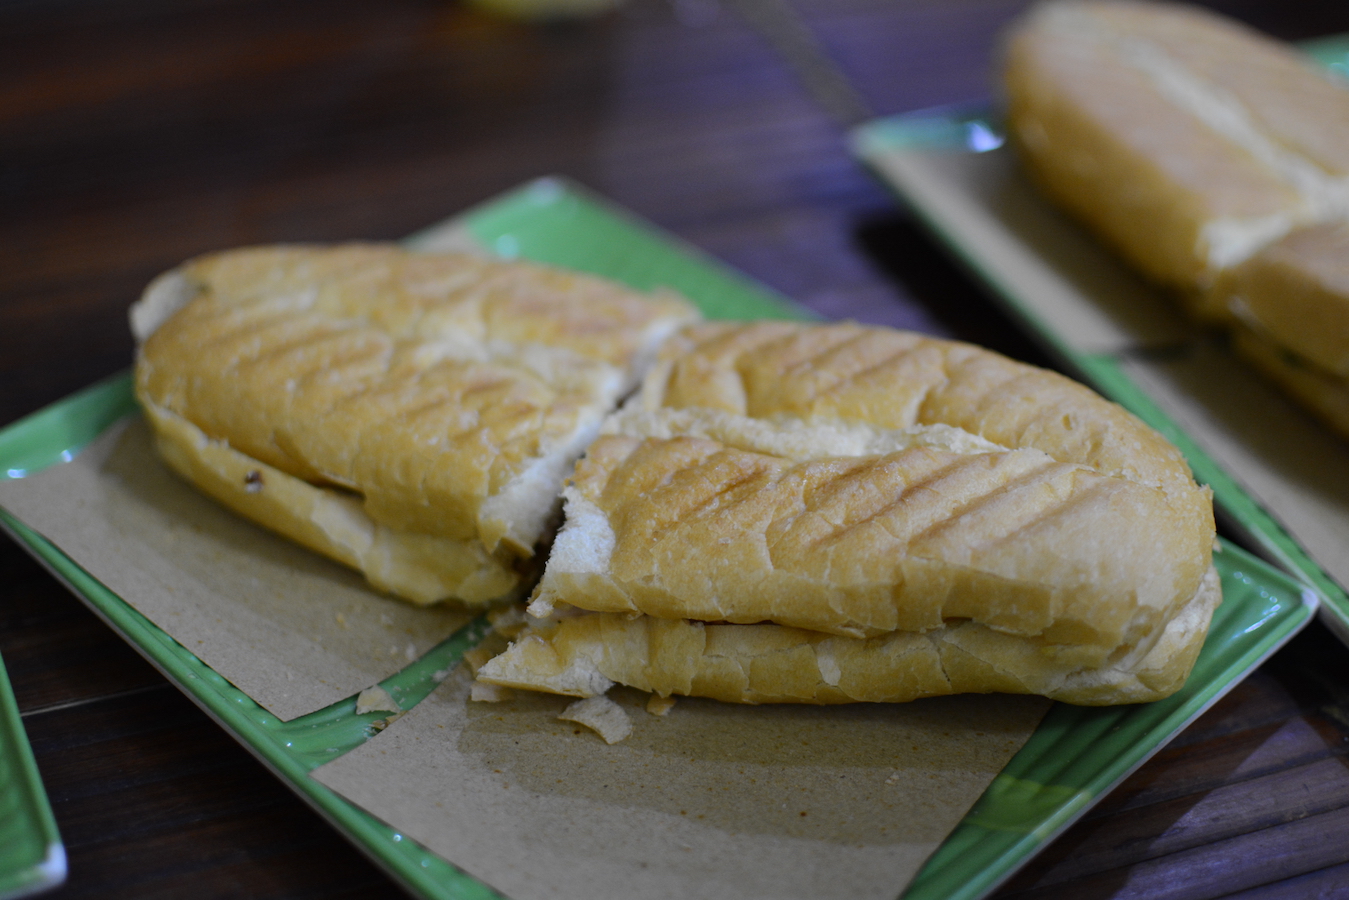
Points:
x=134, y=134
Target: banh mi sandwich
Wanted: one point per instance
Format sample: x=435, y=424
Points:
x=1213, y=158
x=837, y=513
x=410, y=415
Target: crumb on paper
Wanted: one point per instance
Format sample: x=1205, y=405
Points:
x=658, y=705
x=410, y=651
x=893, y=779
x=375, y=699
x=381, y=724
x=601, y=715
x=341, y=620
x=482, y=692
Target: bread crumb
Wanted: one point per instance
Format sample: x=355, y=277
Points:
x=658, y=705
x=375, y=699
x=601, y=715
x=482, y=692
x=893, y=779
x=381, y=724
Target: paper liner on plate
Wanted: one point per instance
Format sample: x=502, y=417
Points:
x=289, y=628
x=709, y=800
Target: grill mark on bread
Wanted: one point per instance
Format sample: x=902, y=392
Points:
x=318, y=339
x=943, y=483
x=672, y=513
x=1016, y=515
x=798, y=515
x=852, y=379
x=962, y=386
x=792, y=559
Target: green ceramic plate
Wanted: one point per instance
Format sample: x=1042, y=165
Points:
x=1073, y=759
x=977, y=129
x=32, y=858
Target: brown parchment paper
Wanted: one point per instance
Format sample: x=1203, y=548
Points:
x=711, y=800
x=289, y=628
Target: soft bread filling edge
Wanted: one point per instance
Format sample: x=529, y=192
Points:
x=584, y=654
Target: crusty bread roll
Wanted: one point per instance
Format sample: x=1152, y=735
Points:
x=896, y=493
x=1214, y=159
x=410, y=414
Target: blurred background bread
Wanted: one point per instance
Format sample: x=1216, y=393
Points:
x=1213, y=158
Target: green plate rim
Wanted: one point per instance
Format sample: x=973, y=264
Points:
x=32, y=857
x=551, y=219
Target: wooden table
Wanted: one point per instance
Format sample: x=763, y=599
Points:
x=135, y=134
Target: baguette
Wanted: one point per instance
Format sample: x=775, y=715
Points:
x=1213, y=158
x=385, y=407
x=881, y=494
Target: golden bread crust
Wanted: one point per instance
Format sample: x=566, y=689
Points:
x=421, y=568
x=865, y=545
x=1100, y=136
x=897, y=379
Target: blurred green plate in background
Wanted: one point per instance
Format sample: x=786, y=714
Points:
x=32, y=858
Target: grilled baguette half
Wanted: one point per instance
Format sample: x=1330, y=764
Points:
x=893, y=491
x=360, y=395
